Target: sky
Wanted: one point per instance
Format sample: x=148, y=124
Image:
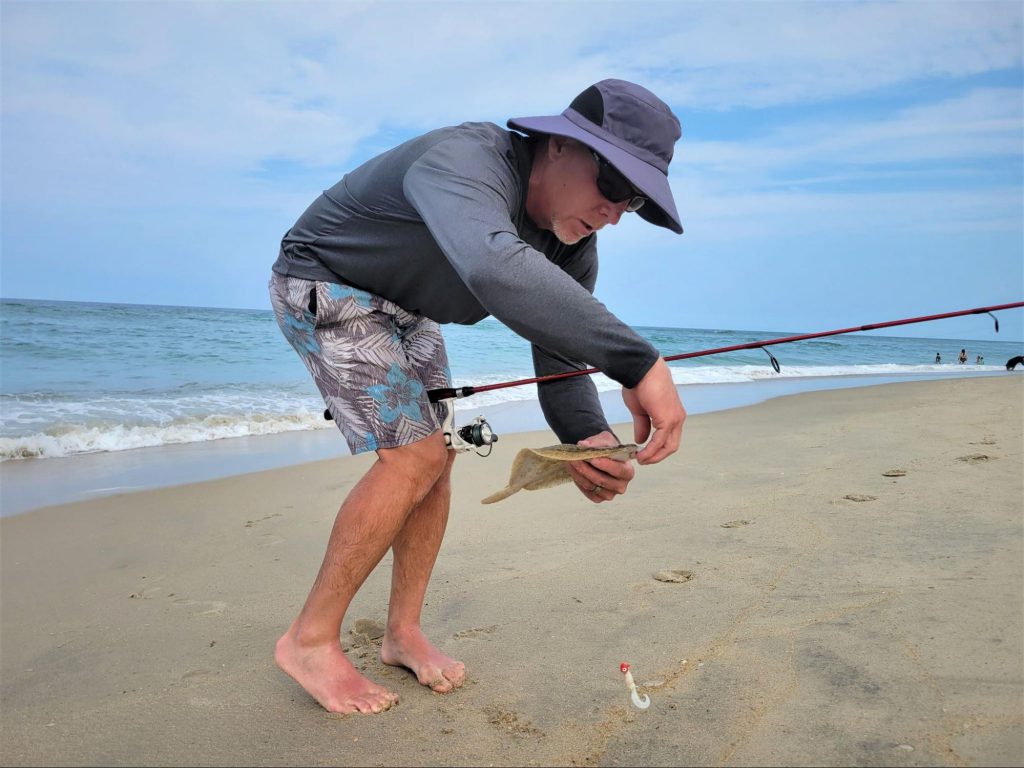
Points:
x=842, y=163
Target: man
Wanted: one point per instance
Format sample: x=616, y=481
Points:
x=455, y=225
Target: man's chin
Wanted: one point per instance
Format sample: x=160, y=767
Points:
x=563, y=237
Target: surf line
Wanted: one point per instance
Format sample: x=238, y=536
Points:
x=450, y=393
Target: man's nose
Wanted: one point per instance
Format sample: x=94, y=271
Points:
x=613, y=211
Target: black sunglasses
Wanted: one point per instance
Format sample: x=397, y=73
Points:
x=615, y=187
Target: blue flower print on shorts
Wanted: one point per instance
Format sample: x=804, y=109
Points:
x=372, y=361
x=398, y=397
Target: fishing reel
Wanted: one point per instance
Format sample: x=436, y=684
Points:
x=470, y=437
x=476, y=434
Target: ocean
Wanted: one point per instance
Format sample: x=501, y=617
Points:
x=81, y=377
x=84, y=385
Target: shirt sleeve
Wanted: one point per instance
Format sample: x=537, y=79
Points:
x=571, y=406
x=465, y=192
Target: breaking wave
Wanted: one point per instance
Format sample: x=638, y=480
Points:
x=37, y=425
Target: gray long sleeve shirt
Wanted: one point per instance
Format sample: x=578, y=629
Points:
x=438, y=225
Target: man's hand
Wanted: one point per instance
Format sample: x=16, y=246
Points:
x=655, y=402
x=601, y=479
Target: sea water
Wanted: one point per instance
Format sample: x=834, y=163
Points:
x=87, y=377
x=84, y=384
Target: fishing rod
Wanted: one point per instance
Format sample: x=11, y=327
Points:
x=460, y=392
x=479, y=433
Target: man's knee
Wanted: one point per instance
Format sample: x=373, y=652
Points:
x=425, y=461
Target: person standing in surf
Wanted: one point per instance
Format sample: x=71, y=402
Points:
x=450, y=227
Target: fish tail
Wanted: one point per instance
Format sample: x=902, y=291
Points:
x=504, y=493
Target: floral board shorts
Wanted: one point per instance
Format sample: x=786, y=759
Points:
x=372, y=361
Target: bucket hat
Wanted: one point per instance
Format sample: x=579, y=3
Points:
x=632, y=129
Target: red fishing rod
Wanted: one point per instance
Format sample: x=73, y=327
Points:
x=459, y=392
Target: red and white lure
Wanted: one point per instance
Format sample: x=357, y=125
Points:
x=640, y=702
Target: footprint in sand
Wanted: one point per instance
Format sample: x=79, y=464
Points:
x=975, y=458
x=368, y=630
x=674, y=576
x=737, y=523
x=985, y=441
x=150, y=589
x=509, y=722
x=147, y=593
x=476, y=632
x=860, y=497
x=212, y=607
x=367, y=635
x=371, y=628
x=894, y=473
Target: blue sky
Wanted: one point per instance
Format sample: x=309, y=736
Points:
x=841, y=163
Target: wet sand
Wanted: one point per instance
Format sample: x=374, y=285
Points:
x=849, y=590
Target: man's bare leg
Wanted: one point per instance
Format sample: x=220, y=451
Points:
x=416, y=547
x=367, y=523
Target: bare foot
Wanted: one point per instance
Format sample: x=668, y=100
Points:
x=329, y=677
x=412, y=650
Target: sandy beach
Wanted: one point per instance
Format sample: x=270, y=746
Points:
x=850, y=592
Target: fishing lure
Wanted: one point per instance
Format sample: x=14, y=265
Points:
x=640, y=702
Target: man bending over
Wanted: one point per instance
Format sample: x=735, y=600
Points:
x=450, y=227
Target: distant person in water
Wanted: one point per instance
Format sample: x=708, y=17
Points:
x=979, y=360
x=963, y=357
x=938, y=358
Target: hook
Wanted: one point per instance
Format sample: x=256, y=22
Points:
x=775, y=363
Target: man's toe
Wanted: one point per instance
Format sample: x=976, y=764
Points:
x=442, y=685
x=456, y=675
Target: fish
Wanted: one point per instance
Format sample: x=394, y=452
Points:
x=534, y=469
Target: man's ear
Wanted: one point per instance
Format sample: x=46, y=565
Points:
x=557, y=146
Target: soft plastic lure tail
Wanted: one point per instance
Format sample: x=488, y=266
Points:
x=640, y=702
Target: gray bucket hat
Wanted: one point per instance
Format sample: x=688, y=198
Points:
x=629, y=127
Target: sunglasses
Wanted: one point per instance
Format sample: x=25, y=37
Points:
x=615, y=187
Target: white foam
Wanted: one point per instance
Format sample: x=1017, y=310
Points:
x=36, y=426
x=727, y=374
x=69, y=440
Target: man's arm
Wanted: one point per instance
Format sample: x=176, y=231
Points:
x=571, y=406
x=465, y=202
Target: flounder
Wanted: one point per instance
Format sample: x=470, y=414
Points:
x=534, y=469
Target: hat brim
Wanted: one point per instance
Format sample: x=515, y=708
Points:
x=645, y=177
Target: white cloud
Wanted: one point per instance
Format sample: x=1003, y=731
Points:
x=767, y=54
x=231, y=84
x=912, y=145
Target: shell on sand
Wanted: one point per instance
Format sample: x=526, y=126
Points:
x=536, y=468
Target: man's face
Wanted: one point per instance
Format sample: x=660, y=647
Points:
x=567, y=200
